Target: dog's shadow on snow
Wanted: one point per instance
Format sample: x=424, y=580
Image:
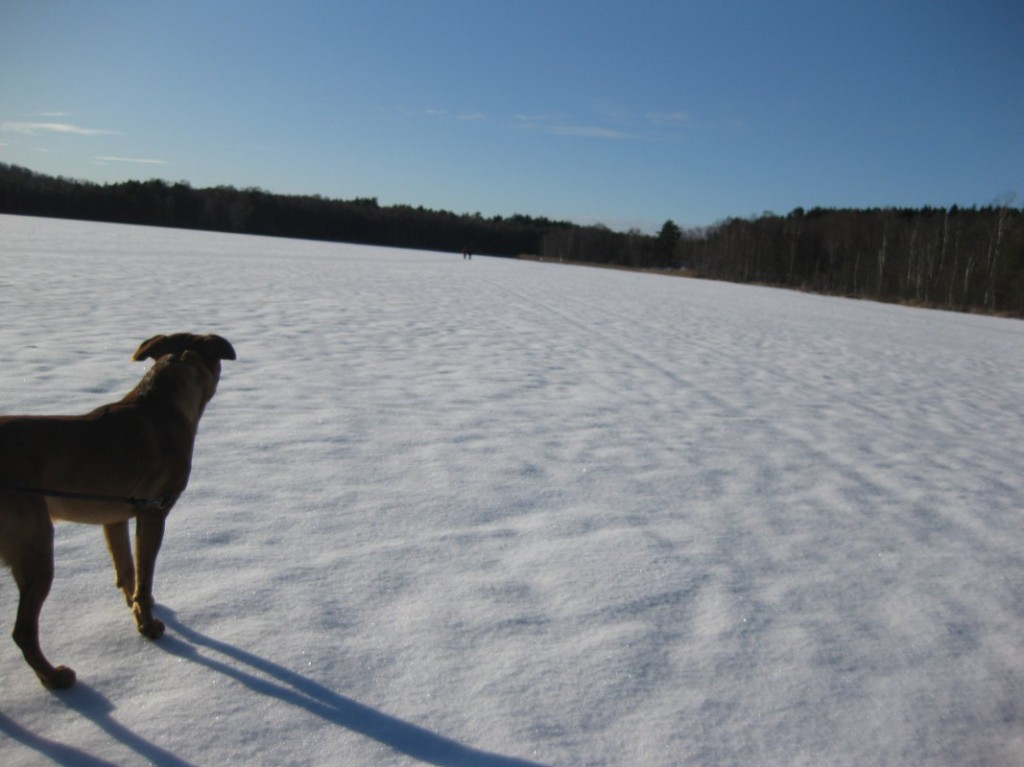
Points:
x=92, y=705
x=268, y=678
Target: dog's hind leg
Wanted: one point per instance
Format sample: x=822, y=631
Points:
x=120, y=547
x=28, y=549
x=149, y=534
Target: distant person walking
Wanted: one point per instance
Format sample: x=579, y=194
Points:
x=466, y=255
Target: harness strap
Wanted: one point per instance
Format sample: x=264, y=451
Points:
x=159, y=504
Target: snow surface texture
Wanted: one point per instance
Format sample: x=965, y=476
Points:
x=508, y=513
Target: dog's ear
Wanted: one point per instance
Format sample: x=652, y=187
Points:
x=214, y=347
x=154, y=348
x=210, y=346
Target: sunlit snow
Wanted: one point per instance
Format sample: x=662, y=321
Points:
x=501, y=512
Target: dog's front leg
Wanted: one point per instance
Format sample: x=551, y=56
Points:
x=119, y=544
x=149, y=534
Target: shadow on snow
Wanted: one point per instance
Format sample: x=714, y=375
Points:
x=294, y=689
x=91, y=705
x=283, y=684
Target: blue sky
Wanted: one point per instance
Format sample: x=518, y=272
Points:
x=625, y=113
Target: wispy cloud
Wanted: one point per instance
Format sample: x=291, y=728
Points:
x=444, y=114
x=531, y=120
x=136, y=160
x=604, y=120
x=554, y=125
x=609, y=120
x=37, y=128
x=613, y=112
x=669, y=119
x=586, y=131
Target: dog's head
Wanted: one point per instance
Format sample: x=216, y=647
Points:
x=210, y=346
x=200, y=357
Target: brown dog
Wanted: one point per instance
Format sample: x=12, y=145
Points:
x=128, y=459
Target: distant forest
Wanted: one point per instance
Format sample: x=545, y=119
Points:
x=965, y=259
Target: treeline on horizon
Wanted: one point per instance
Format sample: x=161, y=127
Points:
x=964, y=259
x=257, y=211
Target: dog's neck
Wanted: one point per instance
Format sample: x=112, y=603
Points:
x=172, y=384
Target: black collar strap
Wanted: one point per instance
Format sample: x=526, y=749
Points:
x=158, y=504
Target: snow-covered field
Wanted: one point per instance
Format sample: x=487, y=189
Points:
x=509, y=513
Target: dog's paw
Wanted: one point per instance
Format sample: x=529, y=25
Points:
x=154, y=629
x=61, y=679
x=148, y=626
